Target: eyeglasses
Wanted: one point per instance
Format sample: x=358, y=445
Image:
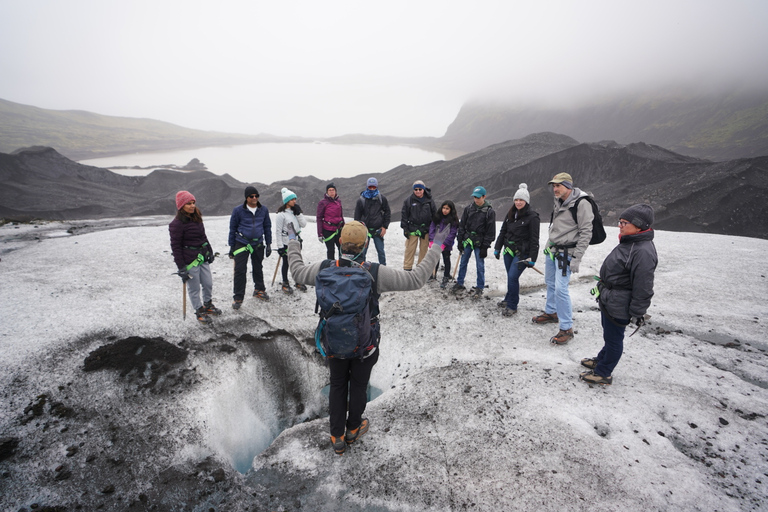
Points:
x=623, y=223
x=253, y=196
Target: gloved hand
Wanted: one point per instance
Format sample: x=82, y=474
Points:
x=530, y=263
x=282, y=251
x=574, y=264
x=441, y=234
x=291, y=231
x=231, y=254
x=268, y=251
x=638, y=321
x=497, y=254
x=184, y=275
x=210, y=256
x=296, y=209
x=321, y=239
x=405, y=233
x=483, y=252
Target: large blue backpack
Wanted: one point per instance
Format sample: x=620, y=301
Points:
x=349, y=308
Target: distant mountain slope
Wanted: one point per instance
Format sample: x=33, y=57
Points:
x=716, y=127
x=78, y=134
x=688, y=194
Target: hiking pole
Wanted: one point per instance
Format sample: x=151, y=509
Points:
x=274, y=276
x=534, y=268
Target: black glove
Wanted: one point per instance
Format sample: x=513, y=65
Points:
x=231, y=254
x=405, y=233
x=282, y=251
x=296, y=210
x=637, y=320
x=484, y=252
x=210, y=256
x=440, y=235
x=497, y=254
x=184, y=275
x=268, y=251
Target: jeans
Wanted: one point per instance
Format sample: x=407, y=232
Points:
x=201, y=278
x=613, y=336
x=241, y=269
x=558, y=296
x=512, y=298
x=479, y=263
x=378, y=242
x=349, y=379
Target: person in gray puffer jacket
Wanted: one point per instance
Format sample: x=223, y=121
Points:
x=625, y=289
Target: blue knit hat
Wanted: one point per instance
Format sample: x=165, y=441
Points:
x=287, y=195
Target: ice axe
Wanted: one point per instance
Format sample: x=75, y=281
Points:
x=274, y=276
x=645, y=319
x=534, y=268
x=183, y=295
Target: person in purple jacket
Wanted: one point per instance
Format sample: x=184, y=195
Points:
x=330, y=220
x=446, y=215
x=193, y=255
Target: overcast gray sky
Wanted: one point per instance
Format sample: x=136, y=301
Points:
x=323, y=68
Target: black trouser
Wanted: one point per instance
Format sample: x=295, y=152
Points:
x=349, y=377
x=241, y=269
x=332, y=244
x=446, y=263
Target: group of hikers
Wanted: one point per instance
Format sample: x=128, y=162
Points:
x=348, y=287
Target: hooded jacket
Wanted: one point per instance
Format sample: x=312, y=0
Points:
x=417, y=213
x=373, y=212
x=626, y=276
x=563, y=231
x=329, y=214
x=246, y=227
x=520, y=232
x=282, y=219
x=478, y=223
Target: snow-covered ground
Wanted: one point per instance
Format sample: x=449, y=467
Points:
x=478, y=411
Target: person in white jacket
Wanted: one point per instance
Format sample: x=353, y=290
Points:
x=288, y=213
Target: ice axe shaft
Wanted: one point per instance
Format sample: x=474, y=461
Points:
x=534, y=268
x=274, y=276
x=183, y=300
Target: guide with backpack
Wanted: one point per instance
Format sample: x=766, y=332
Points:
x=348, y=331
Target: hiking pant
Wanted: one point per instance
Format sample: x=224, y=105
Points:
x=201, y=278
x=378, y=242
x=349, y=378
x=331, y=245
x=613, y=336
x=241, y=268
x=558, y=296
x=480, y=265
x=446, y=263
x=284, y=268
x=514, y=270
x=410, y=249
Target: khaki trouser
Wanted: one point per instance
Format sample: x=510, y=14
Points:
x=410, y=250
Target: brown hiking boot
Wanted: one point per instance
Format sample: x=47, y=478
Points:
x=589, y=362
x=545, y=318
x=562, y=337
x=590, y=377
x=339, y=446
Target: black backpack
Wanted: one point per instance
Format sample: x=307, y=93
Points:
x=349, y=306
x=598, y=231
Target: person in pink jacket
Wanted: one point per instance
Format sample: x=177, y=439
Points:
x=330, y=220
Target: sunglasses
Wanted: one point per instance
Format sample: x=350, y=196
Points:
x=253, y=196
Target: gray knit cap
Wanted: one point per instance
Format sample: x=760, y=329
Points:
x=641, y=215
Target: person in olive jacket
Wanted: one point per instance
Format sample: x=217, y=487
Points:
x=250, y=237
x=624, y=291
x=416, y=216
x=518, y=242
x=192, y=254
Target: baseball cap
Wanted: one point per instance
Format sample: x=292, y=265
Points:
x=478, y=192
x=353, y=232
x=561, y=177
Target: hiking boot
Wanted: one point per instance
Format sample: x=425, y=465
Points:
x=444, y=282
x=476, y=292
x=339, y=446
x=590, y=377
x=211, y=309
x=458, y=288
x=202, y=316
x=432, y=278
x=562, y=337
x=502, y=304
x=236, y=304
x=509, y=312
x=261, y=294
x=287, y=288
x=546, y=318
x=354, y=435
x=301, y=287
x=589, y=362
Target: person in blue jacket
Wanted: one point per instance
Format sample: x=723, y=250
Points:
x=250, y=234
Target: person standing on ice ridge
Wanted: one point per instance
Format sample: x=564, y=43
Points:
x=624, y=291
x=193, y=255
x=349, y=377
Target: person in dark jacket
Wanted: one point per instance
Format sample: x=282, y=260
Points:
x=250, y=234
x=477, y=230
x=624, y=291
x=416, y=216
x=518, y=242
x=445, y=216
x=193, y=254
x=330, y=220
x=372, y=209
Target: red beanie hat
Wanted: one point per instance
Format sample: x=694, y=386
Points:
x=182, y=198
